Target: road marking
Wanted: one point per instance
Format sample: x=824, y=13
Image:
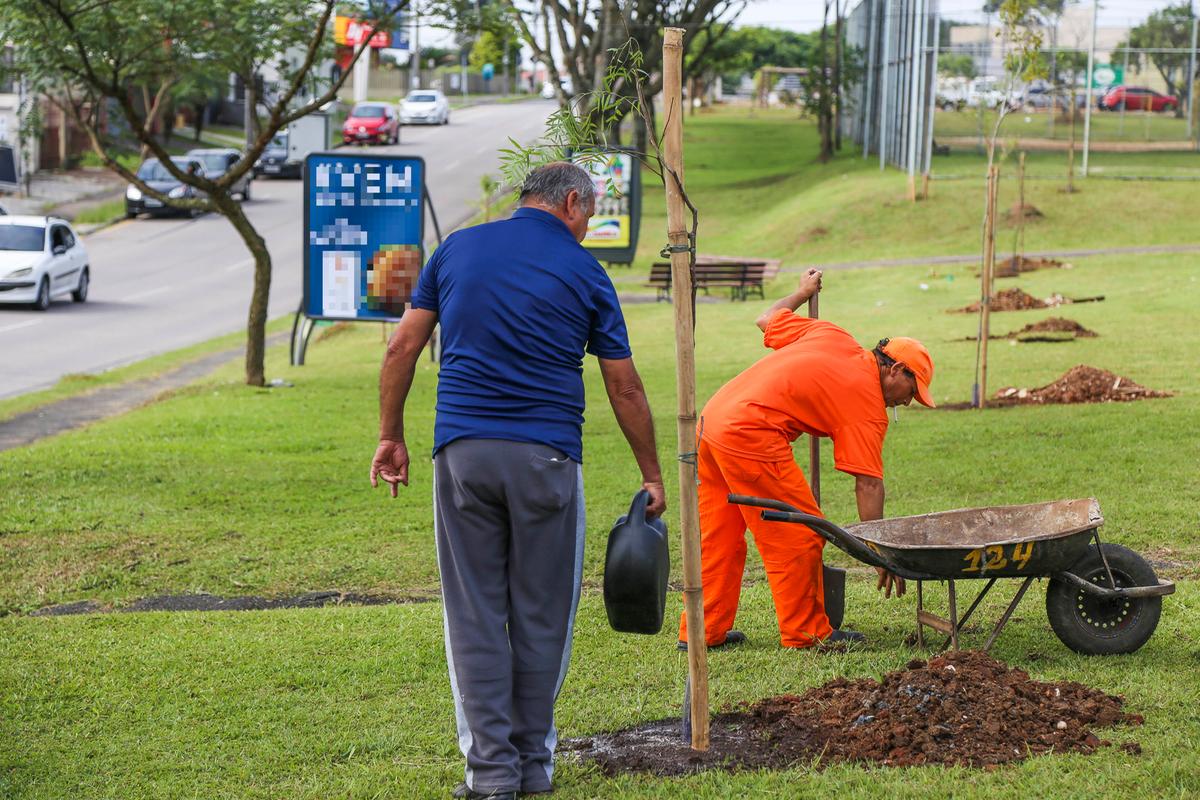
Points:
x=150, y=293
x=450, y=167
x=240, y=265
x=19, y=325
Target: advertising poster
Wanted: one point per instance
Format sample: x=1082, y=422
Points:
x=363, y=231
x=612, y=230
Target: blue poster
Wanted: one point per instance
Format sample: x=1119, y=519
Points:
x=364, y=224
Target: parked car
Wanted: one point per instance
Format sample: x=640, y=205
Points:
x=1137, y=98
x=2, y=211
x=158, y=178
x=41, y=258
x=371, y=123
x=991, y=93
x=284, y=155
x=216, y=162
x=427, y=106
x=548, y=88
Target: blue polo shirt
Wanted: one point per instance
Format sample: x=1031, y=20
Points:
x=519, y=302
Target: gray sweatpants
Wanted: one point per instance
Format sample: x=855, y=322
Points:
x=509, y=523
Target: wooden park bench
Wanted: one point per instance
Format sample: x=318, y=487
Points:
x=742, y=276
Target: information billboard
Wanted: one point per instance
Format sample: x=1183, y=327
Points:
x=364, y=228
x=613, y=230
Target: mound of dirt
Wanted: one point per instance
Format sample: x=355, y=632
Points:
x=1081, y=384
x=1056, y=325
x=1014, y=265
x=1008, y=300
x=1016, y=211
x=960, y=708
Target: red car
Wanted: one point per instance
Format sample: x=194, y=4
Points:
x=1137, y=98
x=371, y=123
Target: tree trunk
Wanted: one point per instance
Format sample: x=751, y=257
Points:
x=256, y=323
x=825, y=102
x=198, y=126
x=837, y=76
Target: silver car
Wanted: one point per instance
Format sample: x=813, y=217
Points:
x=427, y=106
x=41, y=258
x=216, y=162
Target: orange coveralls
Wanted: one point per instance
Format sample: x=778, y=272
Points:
x=818, y=381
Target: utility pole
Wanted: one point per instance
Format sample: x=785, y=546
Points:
x=883, y=82
x=1191, y=73
x=1087, y=112
x=414, y=60
x=914, y=100
x=872, y=56
x=937, y=43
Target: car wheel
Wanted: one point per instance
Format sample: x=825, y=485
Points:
x=43, y=296
x=80, y=293
x=246, y=193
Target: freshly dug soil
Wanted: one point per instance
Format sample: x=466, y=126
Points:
x=1081, y=384
x=1016, y=211
x=1013, y=265
x=960, y=708
x=1051, y=329
x=1008, y=300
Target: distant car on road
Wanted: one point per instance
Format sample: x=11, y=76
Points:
x=1137, y=98
x=41, y=258
x=371, y=123
x=216, y=162
x=154, y=174
x=428, y=106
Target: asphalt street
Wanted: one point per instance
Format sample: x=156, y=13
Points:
x=161, y=284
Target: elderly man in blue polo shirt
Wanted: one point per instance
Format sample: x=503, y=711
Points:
x=520, y=303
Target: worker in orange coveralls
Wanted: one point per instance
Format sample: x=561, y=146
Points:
x=817, y=381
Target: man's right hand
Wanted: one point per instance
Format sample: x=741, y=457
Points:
x=658, y=498
x=390, y=463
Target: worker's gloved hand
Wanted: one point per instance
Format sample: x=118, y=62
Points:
x=888, y=582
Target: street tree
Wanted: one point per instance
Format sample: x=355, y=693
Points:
x=1166, y=37
x=956, y=65
x=127, y=59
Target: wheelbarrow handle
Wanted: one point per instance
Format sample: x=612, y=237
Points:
x=834, y=535
x=760, y=502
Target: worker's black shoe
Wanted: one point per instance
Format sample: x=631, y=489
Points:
x=845, y=637
x=467, y=793
x=733, y=638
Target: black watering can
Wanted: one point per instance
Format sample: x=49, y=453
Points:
x=636, y=568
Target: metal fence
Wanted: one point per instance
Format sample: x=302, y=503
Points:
x=889, y=111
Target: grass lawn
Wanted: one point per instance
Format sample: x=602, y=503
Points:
x=234, y=490
x=104, y=212
x=1107, y=126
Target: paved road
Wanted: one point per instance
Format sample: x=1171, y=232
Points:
x=162, y=284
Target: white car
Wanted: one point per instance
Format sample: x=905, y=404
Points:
x=41, y=258
x=428, y=106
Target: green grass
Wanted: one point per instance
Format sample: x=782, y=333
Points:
x=102, y=213
x=234, y=490
x=1137, y=126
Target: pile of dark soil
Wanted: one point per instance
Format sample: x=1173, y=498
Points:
x=959, y=708
x=1081, y=384
x=1016, y=211
x=1014, y=265
x=1051, y=329
x=1008, y=300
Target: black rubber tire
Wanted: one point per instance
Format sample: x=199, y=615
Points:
x=1094, y=626
x=81, y=291
x=43, y=296
x=246, y=193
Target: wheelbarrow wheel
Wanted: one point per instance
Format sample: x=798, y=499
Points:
x=1094, y=625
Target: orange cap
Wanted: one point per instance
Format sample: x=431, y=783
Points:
x=913, y=355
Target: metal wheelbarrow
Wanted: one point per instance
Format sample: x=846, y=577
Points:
x=1102, y=598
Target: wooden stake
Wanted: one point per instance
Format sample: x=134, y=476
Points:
x=925, y=186
x=987, y=279
x=1019, y=251
x=814, y=442
x=685, y=378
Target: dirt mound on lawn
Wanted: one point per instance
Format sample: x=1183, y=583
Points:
x=1013, y=265
x=1051, y=329
x=1008, y=300
x=1081, y=384
x=960, y=708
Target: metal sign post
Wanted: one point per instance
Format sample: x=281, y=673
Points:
x=364, y=233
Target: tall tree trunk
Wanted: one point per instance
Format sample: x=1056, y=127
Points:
x=198, y=127
x=824, y=103
x=837, y=76
x=256, y=323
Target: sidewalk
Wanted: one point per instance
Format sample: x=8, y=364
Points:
x=52, y=192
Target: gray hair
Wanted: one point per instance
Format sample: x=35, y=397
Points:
x=551, y=183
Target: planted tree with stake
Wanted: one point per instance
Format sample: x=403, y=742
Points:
x=1021, y=64
x=128, y=58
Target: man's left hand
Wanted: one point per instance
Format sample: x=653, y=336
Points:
x=390, y=463
x=888, y=582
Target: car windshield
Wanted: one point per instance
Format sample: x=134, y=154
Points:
x=22, y=237
x=367, y=112
x=279, y=140
x=422, y=98
x=155, y=171
x=214, y=163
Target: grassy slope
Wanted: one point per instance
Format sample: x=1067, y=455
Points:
x=1138, y=126
x=234, y=490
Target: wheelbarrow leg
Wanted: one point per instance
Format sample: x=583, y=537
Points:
x=953, y=617
x=920, y=608
x=1007, y=613
x=962, y=623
